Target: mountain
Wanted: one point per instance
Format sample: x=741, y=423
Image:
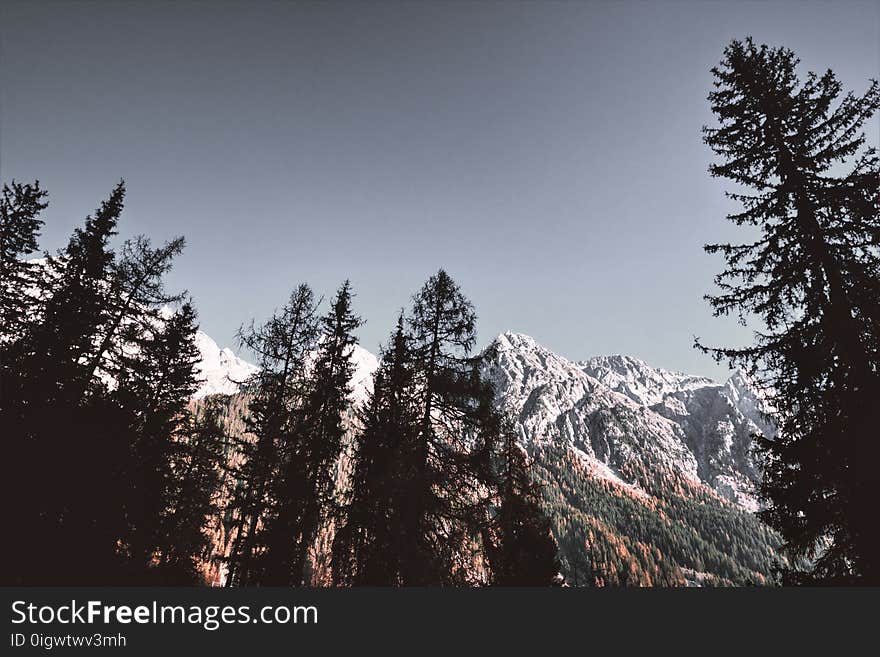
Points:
x=700, y=428
x=219, y=371
x=647, y=475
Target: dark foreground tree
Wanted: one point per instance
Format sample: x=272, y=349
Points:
x=811, y=274
x=523, y=552
x=279, y=390
x=368, y=549
x=95, y=384
x=154, y=385
x=20, y=224
x=59, y=423
x=193, y=496
x=306, y=483
x=423, y=481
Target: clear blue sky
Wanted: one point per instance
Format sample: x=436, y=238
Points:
x=548, y=155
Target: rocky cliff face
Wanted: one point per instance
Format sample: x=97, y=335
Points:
x=618, y=411
x=648, y=475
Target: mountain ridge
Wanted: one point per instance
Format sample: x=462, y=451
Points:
x=647, y=478
x=700, y=427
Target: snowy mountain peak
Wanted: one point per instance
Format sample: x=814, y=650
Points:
x=365, y=366
x=621, y=415
x=639, y=381
x=513, y=340
x=220, y=371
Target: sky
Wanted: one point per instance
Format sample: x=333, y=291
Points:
x=548, y=155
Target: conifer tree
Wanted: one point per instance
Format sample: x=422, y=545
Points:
x=136, y=297
x=369, y=546
x=154, y=384
x=279, y=390
x=307, y=482
x=59, y=422
x=20, y=224
x=80, y=409
x=75, y=305
x=445, y=504
x=796, y=151
x=524, y=552
x=193, y=497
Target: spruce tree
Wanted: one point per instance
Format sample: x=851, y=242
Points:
x=811, y=274
x=59, y=424
x=369, y=546
x=81, y=411
x=524, y=552
x=75, y=305
x=155, y=383
x=20, y=224
x=193, y=497
x=279, y=390
x=306, y=486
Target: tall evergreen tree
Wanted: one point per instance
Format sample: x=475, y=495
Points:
x=796, y=150
x=369, y=547
x=524, y=552
x=58, y=420
x=445, y=504
x=100, y=382
x=20, y=225
x=136, y=298
x=279, y=390
x=307, y=484
x=193, y=497
x=74, y=306
x=438, y=496
x=155, y=382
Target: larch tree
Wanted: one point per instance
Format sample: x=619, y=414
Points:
x=446, y=500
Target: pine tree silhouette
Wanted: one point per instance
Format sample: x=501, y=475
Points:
x=59, y=422
x=306, y=484
x=155, y=384
x=279, y=389
x=422, y=482
x=193, y=497
x=812, y=275
x=524, y=552
x=95, y=408
x=20, y=224
x=369, y=547
x=446, y=506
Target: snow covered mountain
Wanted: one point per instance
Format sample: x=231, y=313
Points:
x=639, y=381
x=647, y=475
x=220, y=371
x=616, y=411
x=620, y=412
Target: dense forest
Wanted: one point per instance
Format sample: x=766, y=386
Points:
x=108, y=457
